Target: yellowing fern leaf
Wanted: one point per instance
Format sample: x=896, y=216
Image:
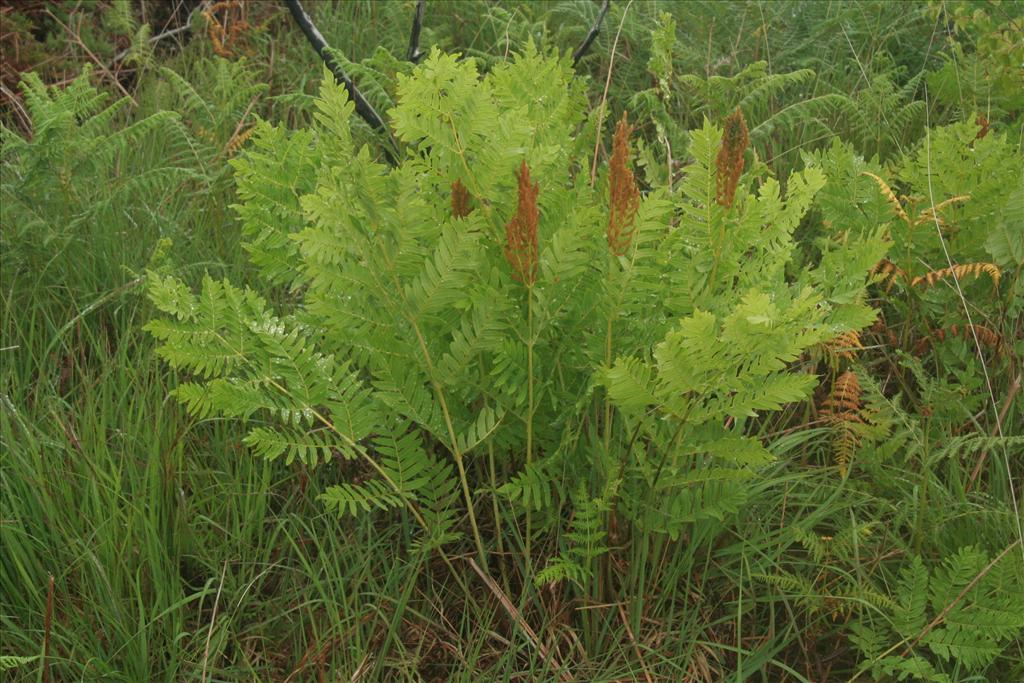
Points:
x=934, y=213
x=960, y=272
x=890, y=195
x=846, y=345
x=842, y=411
x=889, y=272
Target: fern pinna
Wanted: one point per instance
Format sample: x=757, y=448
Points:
x=461, y=324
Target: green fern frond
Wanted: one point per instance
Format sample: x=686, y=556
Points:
x=532, y=487
x=444, y=278
x=687, y=497
x=308, y=447
x=479, y=431
x=276, y=169
x=356, y=499
x=405, y=392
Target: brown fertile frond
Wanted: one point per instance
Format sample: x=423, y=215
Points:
x=986, y=336
x=890, y=195
x=460, y=199
x=729, y=163
x=623, y=195
x=842, y=410
x=521, y=231
x=960, y=271
x=982, y=122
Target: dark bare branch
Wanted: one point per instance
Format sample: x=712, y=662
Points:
x=414, y=53
x=592, y=35
x=363, y=107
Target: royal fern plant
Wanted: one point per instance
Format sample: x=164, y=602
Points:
x=500, y=323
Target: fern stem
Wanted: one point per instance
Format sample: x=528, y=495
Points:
x=493, y=476
x=439, y=392
x=529, y=407
x=456, y=451
x=529, y=373
x=604, y=568
x=497, y=514
x=922, y=498
x=607, y=396
x=673, y=442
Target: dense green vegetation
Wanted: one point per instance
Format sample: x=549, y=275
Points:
x=698, y=362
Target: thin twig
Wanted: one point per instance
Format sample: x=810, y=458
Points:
x=636, y=646
x=238, y=128
x=154, y=40
x=363, y=106
x=1007, y=402
x=93, y=57
x=22, y=114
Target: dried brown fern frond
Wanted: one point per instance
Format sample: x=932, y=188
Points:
x=890, y=195
x=985, y=335
x=890, y=272
x=460, y=199
x=237, y=140
x=842, y=410
x=623, y=195
x=883, y=333
x=729, y=164
x=846, y=345
x=205, y=133
x=521, y=231
x=228, y=26
x=844, y=397
x=961, y=271
x=844, y=444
